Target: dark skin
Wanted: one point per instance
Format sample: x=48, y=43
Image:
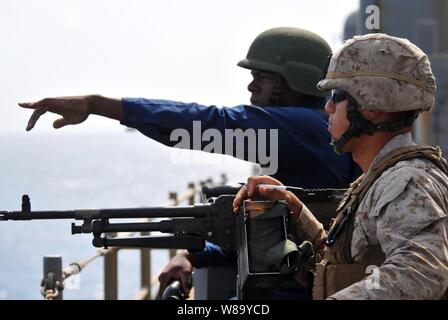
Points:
x=74, y=110
x=261, y=89
x=179, y=267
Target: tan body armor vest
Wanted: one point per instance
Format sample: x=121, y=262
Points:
x=337, y=270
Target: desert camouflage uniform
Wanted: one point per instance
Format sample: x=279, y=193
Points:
x=404, y=211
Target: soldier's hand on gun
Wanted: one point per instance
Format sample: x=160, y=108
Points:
x=261, y=186
x=73, y=110
x=179, y=267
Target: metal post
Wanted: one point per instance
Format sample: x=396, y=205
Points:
x=224, y=179
x=173, y=197
x=52, y=284
x=111, y=276
x=192, y=188
x=145, y=268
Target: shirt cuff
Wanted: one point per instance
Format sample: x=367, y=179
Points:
x=131, y=112
x=311, y=229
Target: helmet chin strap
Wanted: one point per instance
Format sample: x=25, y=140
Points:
x=360, y=125
x=274, y=99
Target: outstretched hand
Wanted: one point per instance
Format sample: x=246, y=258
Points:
x=73, y=110
x=258, y=186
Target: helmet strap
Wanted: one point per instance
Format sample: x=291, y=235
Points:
x=274, y=100
x=360, y=125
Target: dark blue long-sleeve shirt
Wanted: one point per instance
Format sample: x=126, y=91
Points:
x=305, y=157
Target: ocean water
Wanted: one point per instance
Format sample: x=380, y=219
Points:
x=65, y=171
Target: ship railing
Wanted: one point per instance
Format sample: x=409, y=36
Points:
x=52, y=286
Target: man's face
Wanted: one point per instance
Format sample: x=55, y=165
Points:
x=336, y=108
x=261, y=87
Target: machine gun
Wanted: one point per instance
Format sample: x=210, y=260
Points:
x=190, y=227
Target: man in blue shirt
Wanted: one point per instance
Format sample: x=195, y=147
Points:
x=286, y=64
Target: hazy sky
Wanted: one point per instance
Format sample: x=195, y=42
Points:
x=172, y=49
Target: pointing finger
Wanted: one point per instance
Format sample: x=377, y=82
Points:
x=34, y=117
x=46, y=102
x=28, y=105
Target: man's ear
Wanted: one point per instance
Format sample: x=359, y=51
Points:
x=370, y=114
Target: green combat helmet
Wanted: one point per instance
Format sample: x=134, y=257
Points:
x=296, y=54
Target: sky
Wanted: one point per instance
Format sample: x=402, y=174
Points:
x=171, y=49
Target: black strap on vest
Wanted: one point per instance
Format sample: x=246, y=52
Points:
x=358, y=189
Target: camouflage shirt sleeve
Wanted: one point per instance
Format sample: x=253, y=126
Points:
x=404, y=213
x=308, y=227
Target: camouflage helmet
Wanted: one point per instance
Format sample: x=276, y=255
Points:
x=296, y=54
x=382, y=73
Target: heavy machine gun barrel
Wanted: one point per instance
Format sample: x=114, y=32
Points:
x=155, y=212
x=190, y=225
